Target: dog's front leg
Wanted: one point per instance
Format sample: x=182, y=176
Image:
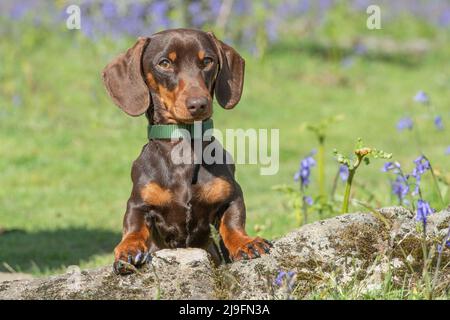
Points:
x=133, y=249
x=232, y=230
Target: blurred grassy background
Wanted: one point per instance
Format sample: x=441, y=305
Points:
x=66, y=150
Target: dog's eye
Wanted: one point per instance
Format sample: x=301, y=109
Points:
x=207, y=62
x=165, y=63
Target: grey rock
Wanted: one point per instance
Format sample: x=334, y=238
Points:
x=361, y=246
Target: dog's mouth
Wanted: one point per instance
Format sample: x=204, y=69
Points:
x=189, y=119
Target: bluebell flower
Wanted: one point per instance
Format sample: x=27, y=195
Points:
x=423, y=211
x=242, y=7
x=422, y=165
x=17, y=100
x=308, y=200
x=347, y=62
x=421, y=97
x=404, y=123
x=444, y=19
x=391, y=166
x=285, y=279
x=19, y=10
x=304, y=170
x=109, y=9
x=197, y=16
x=159, y=12
x=360, y=49
x=343, y=172
x=272, y=30
x=214, y=7
x=438, y=123
x=400, y=188
x=279, y=278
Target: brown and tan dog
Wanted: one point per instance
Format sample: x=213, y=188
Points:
x=172, y=77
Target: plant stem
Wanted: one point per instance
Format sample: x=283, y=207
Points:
x=348, y=187
x=334, y=186
x=321, y=168
x=436, y=184
x=438, y=263
x=425, y=275
x=304, y=205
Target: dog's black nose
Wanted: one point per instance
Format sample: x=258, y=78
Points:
x=196, y=105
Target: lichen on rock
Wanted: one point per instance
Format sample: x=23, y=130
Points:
x=358, y=249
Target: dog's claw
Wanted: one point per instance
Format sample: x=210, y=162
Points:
x=122, y=267
x=253, y=250
x=147, y=258
x=138, y=258
x=269, y=243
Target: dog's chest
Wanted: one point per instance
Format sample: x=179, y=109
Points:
x=183, y=211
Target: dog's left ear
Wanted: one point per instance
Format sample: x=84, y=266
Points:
x=124, y=81
x=230, y=79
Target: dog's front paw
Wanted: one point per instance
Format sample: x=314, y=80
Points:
x=252, y=249
x=130, y=254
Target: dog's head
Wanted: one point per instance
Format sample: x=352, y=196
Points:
x=175, y=74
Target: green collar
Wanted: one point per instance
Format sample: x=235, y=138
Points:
x=172, y=131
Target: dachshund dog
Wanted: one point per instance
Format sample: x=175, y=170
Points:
x=172, y=77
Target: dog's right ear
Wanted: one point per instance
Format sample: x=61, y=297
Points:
x=124, y=81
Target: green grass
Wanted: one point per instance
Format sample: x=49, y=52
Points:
x=66, y=150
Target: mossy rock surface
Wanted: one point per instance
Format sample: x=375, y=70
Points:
x=359, y=247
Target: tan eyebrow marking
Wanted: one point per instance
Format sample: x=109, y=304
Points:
x=201, y=54
x=173, y=56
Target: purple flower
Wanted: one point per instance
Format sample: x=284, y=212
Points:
x=400, y=188
x=360, y=49
x=422, y=165
x=214, y=7
x=421, y=97
x=285, y=279
x=347, y=62
x=17, y=100
x=109, y=9
x=391, y=166
x=159, y=12
x=279, y=278
x=438, y=123
x=423, y=211
x=404, y=123
x=242, y=7
x=343, y=172
x=444, y=19
x=272, y=30
x=304, y=171
x=447, y=151
x=308, y=200
x=197, y=16
x=19, y=10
